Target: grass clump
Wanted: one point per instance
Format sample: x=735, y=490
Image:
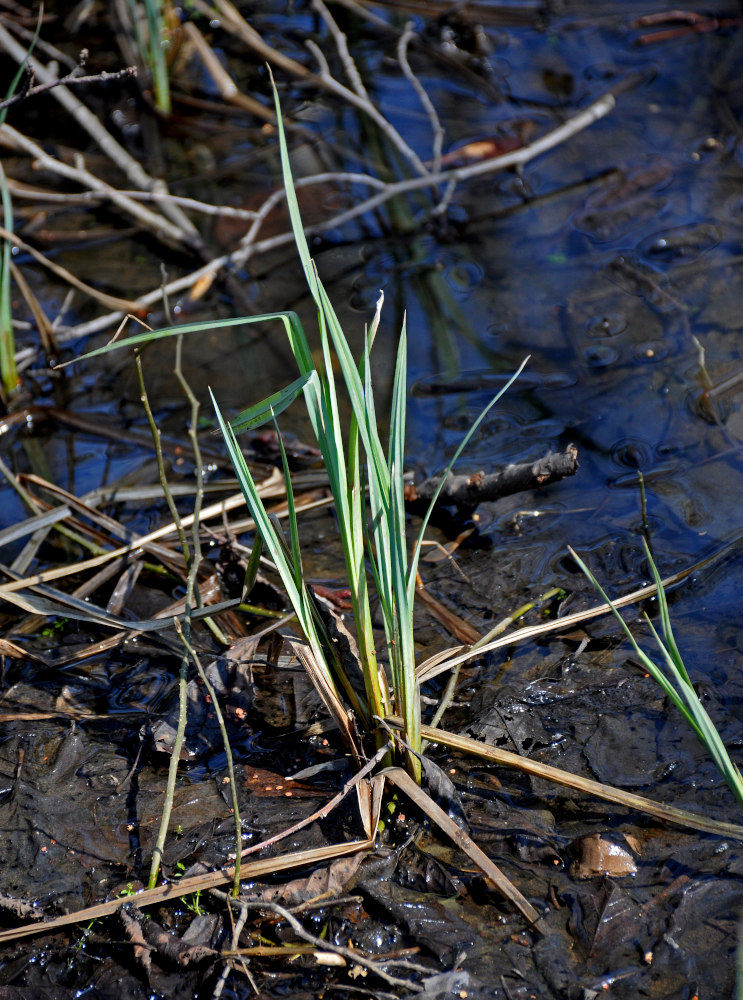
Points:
x=367, y=484
x=674, y=679
x=366, y=480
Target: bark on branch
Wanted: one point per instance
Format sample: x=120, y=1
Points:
x=466, y=492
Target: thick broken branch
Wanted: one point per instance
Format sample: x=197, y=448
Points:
x=466, y=492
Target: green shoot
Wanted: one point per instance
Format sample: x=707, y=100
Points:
x=8, y=370
x=152, y=51
x=674, y=678
x=366, y=481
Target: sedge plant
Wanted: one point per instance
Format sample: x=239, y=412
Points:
x=367, y=484
x=674, y=679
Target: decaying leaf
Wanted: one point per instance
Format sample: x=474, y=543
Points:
x=600, y=855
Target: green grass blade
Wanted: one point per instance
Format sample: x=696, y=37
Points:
x=293, y=205
x=404, y=654
x=157, y=62
x=264, y=526
x=22, y=67
x=678, y=687
x=8, y=369
x=270, y=408
x=465, y=441
x=296, y=553
x=251, y=570
x=665, y=616
x=290, y=320
x=285, y=562
x=655, y=672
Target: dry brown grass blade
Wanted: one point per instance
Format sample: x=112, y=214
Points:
x=369, y=798
x=439, y=663
x=669, y=814
x=56, y=603
x=109, y=301
x=227, y=87
x=16, y=652
x=43, y=323
x=210, y=880
x=456, y=626
x=319, y=677
x=445, y=823
x=109, y=526
x=273, y=486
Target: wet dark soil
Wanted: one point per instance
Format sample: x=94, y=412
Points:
x=614, y=262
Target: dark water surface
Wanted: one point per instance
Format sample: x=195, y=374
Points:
x=613, y=261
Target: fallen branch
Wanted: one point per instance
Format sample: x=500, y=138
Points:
x=466, y=492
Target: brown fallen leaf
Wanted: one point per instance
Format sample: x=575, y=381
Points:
x=8, y=648
x=323, y=882
x=514, y=135
x=268, y=784
x=599, y=855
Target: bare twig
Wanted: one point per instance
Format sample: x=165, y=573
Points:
x=20, y=190
x=138, y=176
x=111, y=301
x=237, y=928
x=352, y=956
x=72, y=78
x=228, y=89
x=329, y=806
x=233, y=21
x=249, y=247
x=165, y=230
x=341, y=45
x=428, y=106
x=226, y=743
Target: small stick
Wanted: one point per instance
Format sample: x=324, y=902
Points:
x=111, y=301
x=71, y=78
x=428, y=106
x=437, y=815
x=226, y=743
x=341, y=43
x=187, y=232
x=352, y=956
x=162, y=228
x=593, y=113
x=466, y=492
x=329, y=806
